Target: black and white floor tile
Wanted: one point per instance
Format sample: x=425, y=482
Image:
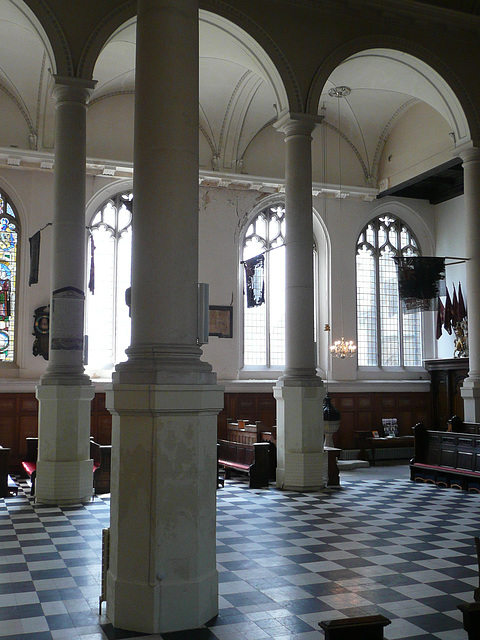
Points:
x=286, y=561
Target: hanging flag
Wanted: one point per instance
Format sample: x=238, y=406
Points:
x=440, y=318
x=91, y=281
x=447, y=323
x=255, y=281
x=34, y=258
x=455, y=313
x=420, y=281
x=462, y=309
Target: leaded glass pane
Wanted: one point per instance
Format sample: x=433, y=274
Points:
x=264, y=326
x=108, y=319
x=366, y=309
x=386, y=336
x=8, y=284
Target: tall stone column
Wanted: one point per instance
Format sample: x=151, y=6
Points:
x=164, y=400
x=471, y=178
x=64, y=467
x=299, y=392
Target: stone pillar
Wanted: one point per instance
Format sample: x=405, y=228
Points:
x=299, y=392
x=471, y=177
x=164, y=400
x=64, y=467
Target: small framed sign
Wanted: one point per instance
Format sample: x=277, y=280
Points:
x=220, y=321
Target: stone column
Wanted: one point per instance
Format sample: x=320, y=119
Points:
x=471, y=178
x=299, y=392
x=64, y=467
x=164, y=399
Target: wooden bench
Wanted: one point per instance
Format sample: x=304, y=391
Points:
x=252, y=459
x=7, y=485
x=29, y=462
x=249, y=433
x=447, y=459
x=100, y=454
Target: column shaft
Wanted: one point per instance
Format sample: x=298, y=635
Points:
x=64, y=468
x=471, y=386
x=299, y=393
x=164, y=399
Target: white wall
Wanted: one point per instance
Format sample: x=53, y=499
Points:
x=223, y=213
x=450, y=241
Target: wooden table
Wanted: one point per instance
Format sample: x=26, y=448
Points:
x=388, y=443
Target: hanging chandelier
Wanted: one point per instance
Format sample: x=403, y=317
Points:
x=340, y=348
x=343, y=348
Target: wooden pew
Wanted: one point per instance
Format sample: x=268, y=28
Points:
x=29, y=462
x=249, y=433
x=252, y=459
x=4, y=456
x=100, y=454
x=447, y=459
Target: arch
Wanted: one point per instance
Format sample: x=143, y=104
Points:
x=460, y=111
x=51, y=33
x=268, y=54
x=106, y=192
x=99, y=37
x=323, y=283
x=407, y=214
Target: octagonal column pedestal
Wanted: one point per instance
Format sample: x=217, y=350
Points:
x=64, y=466
x=301, y=460
x=162, y=572
x=471, y=385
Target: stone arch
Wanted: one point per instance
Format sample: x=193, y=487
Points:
x=127, y=11
x=52, y=35
x=456, y=94
x=100, y=35
x=267, y=44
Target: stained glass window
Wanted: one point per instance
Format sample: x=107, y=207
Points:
x=8, y=278
x=386, y=336
x=108, y=320
x=264, y=325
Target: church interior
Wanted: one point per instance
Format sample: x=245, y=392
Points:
x=211, y=211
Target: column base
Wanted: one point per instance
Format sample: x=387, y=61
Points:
x=162, y=607
x=64, y=466
x=470, y=393
x=301, y=463
x=64, y=483
x=162, y=515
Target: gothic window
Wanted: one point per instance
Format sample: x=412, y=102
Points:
x=8, y=277
x=264, y=325
x=108, y=320
x=387, y=336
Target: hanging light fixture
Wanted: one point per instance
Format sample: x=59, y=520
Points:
x=341, y=348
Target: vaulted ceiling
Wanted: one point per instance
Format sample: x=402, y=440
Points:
x=241, y=92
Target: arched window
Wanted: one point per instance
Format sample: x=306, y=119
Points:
x=108, y=320
x=387, y=336
x=8, y=278
x=264, y=325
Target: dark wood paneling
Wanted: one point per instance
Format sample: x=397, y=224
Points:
x=447, y=376
x=19, y=420
x=358, y=411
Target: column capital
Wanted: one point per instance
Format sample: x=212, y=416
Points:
x=72, y=89
x=472, y=154
x=295, y=123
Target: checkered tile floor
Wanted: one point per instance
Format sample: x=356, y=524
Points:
x=286, y=561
